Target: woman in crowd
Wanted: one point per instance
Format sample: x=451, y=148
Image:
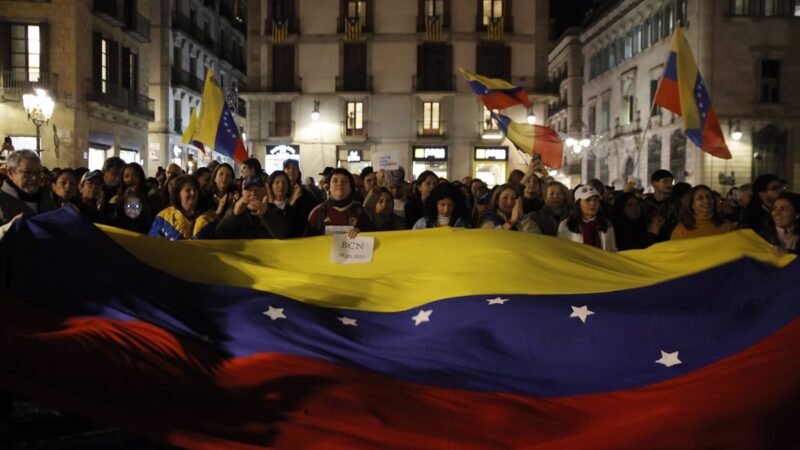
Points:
x=699, y=216
x=631, y=227
x=444, y=207
x=532, y=194
x=555, y=209
x=505, y=212
x=222, y=193
x=785, y=235
x=340, y=209
x=303, y=199
x=415, y=207
x=255, y=215
x=481, y=207
x=135, y=210
x=184, y=220
x=88, y=200
x=587, y=222
x=384, y=217
x=756, y=215
x=64, y=187
x=278, y=189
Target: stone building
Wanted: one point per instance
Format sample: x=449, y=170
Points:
x=91, y=57
x=383, y=77
x=747, y=53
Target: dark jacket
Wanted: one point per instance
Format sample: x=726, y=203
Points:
x=669, y=209
x=11, y=205
x=274, y=224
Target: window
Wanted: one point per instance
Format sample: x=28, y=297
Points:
x=434, y=7
x=772, y=7
x=357, y=8
x=628, y=102
x=430, y=118
x=612, y=55
x=604, y=116
x=655, y=28
x=26, y=52
x=104, y=52
x=492, y=59
x=591, y=162
x=592, y=119
x=770, y=77
x=669, y=21
x=354, y=125
x=283, y=119
x=797, y=8
x=646, y=34
x=653, y=154
x=354, y=67
x=741, y=7
x=653, y=89
x=178, y=116
x=435, y=66
x=770, y=151
x=492, y=9
x=677, y=155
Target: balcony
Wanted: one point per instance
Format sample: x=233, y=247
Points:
x=237, y=105
x=345, y=84
x=429, y=24
x=110, y=11
x=277, y=85
x=281, y=129
x=351, y=133
x=424, y=130
x=275, y=27
x=440, y=84
x=191, y=29
x=354, y=25
x=183, y=78
x=120, y=97
x=14, y=84
x=139, y=27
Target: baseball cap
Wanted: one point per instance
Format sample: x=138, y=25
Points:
x=290, y=162
x=253, y=180
x=584, y=192
x=91, y=175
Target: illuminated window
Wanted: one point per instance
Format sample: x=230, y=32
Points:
x=434, y=7
x=492, y=9
x=430, y=118
x=26, y=52
x=354, y=124
x=357, y=8
x=104, y=66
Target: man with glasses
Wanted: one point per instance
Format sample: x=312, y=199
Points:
x=21, y=193
x=758, y=213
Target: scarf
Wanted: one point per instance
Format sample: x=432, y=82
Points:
x=443, y=221
x=591, y=233
x=24, y=196
x=787, y=237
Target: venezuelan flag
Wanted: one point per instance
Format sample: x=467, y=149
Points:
x=682, y=91
x=191, y=128
x=533, y=139
x=216, y=127
x=512, y=341
x=495, y=93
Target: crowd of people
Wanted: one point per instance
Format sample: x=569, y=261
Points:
x=213, y=203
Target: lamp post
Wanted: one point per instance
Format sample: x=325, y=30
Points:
x=39, y=107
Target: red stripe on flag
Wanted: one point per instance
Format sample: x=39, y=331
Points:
x=143, y=378
x=713, y=139
x=668, y=95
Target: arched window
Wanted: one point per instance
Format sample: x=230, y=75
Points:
x=677, y=155
x=653, y=155
x=769, y=151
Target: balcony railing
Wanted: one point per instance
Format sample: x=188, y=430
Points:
x=345, y=84
x=191, y=29
x=139, y=27
x=109, y=10
x=426, y=24
x=14, y=84
x=425, y=129
x=120, y=97
x=350, y=131
x=295, y=86
x=273, y=26
x=345, y=24
x=281, y=129
x=183, y=78
x=440, y=84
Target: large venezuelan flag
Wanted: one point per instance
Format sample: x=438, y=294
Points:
x=191, y=129
x=533, y=139
x=495, y=93
x=509, y=340
x=216, y=127
x=682, y=91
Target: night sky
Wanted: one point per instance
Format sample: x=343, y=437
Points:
x=567, y=13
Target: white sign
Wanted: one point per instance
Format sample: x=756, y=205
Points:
x=352, y=251
x=385, y=160
x=354, y=156
x=331, y=230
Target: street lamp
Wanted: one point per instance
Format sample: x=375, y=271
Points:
x=736, y=134
x=315, y=112
x=39, y=107
x=531, y=117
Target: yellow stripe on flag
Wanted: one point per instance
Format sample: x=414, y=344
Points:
x=210, y=111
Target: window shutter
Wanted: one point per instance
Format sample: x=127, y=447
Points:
x=447, y=13
x=96, y=60
x=508, y=17
x=479, y=16
x=126, y=68
x=447, y=71
x=420, y=65
x=44, y=37
x=5, y=46
x=113, y=62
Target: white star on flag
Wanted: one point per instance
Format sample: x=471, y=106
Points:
x=348, y=321
x=581, y=313
x=496, y=301
x=274, y=313
x=422, y=316
x=669, y=359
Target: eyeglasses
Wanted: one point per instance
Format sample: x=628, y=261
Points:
x=778, y=187
x=29, y=173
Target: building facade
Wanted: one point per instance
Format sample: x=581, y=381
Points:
x=747, y=53
x=382, y=78
x=189, y=38
x=91, y=58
